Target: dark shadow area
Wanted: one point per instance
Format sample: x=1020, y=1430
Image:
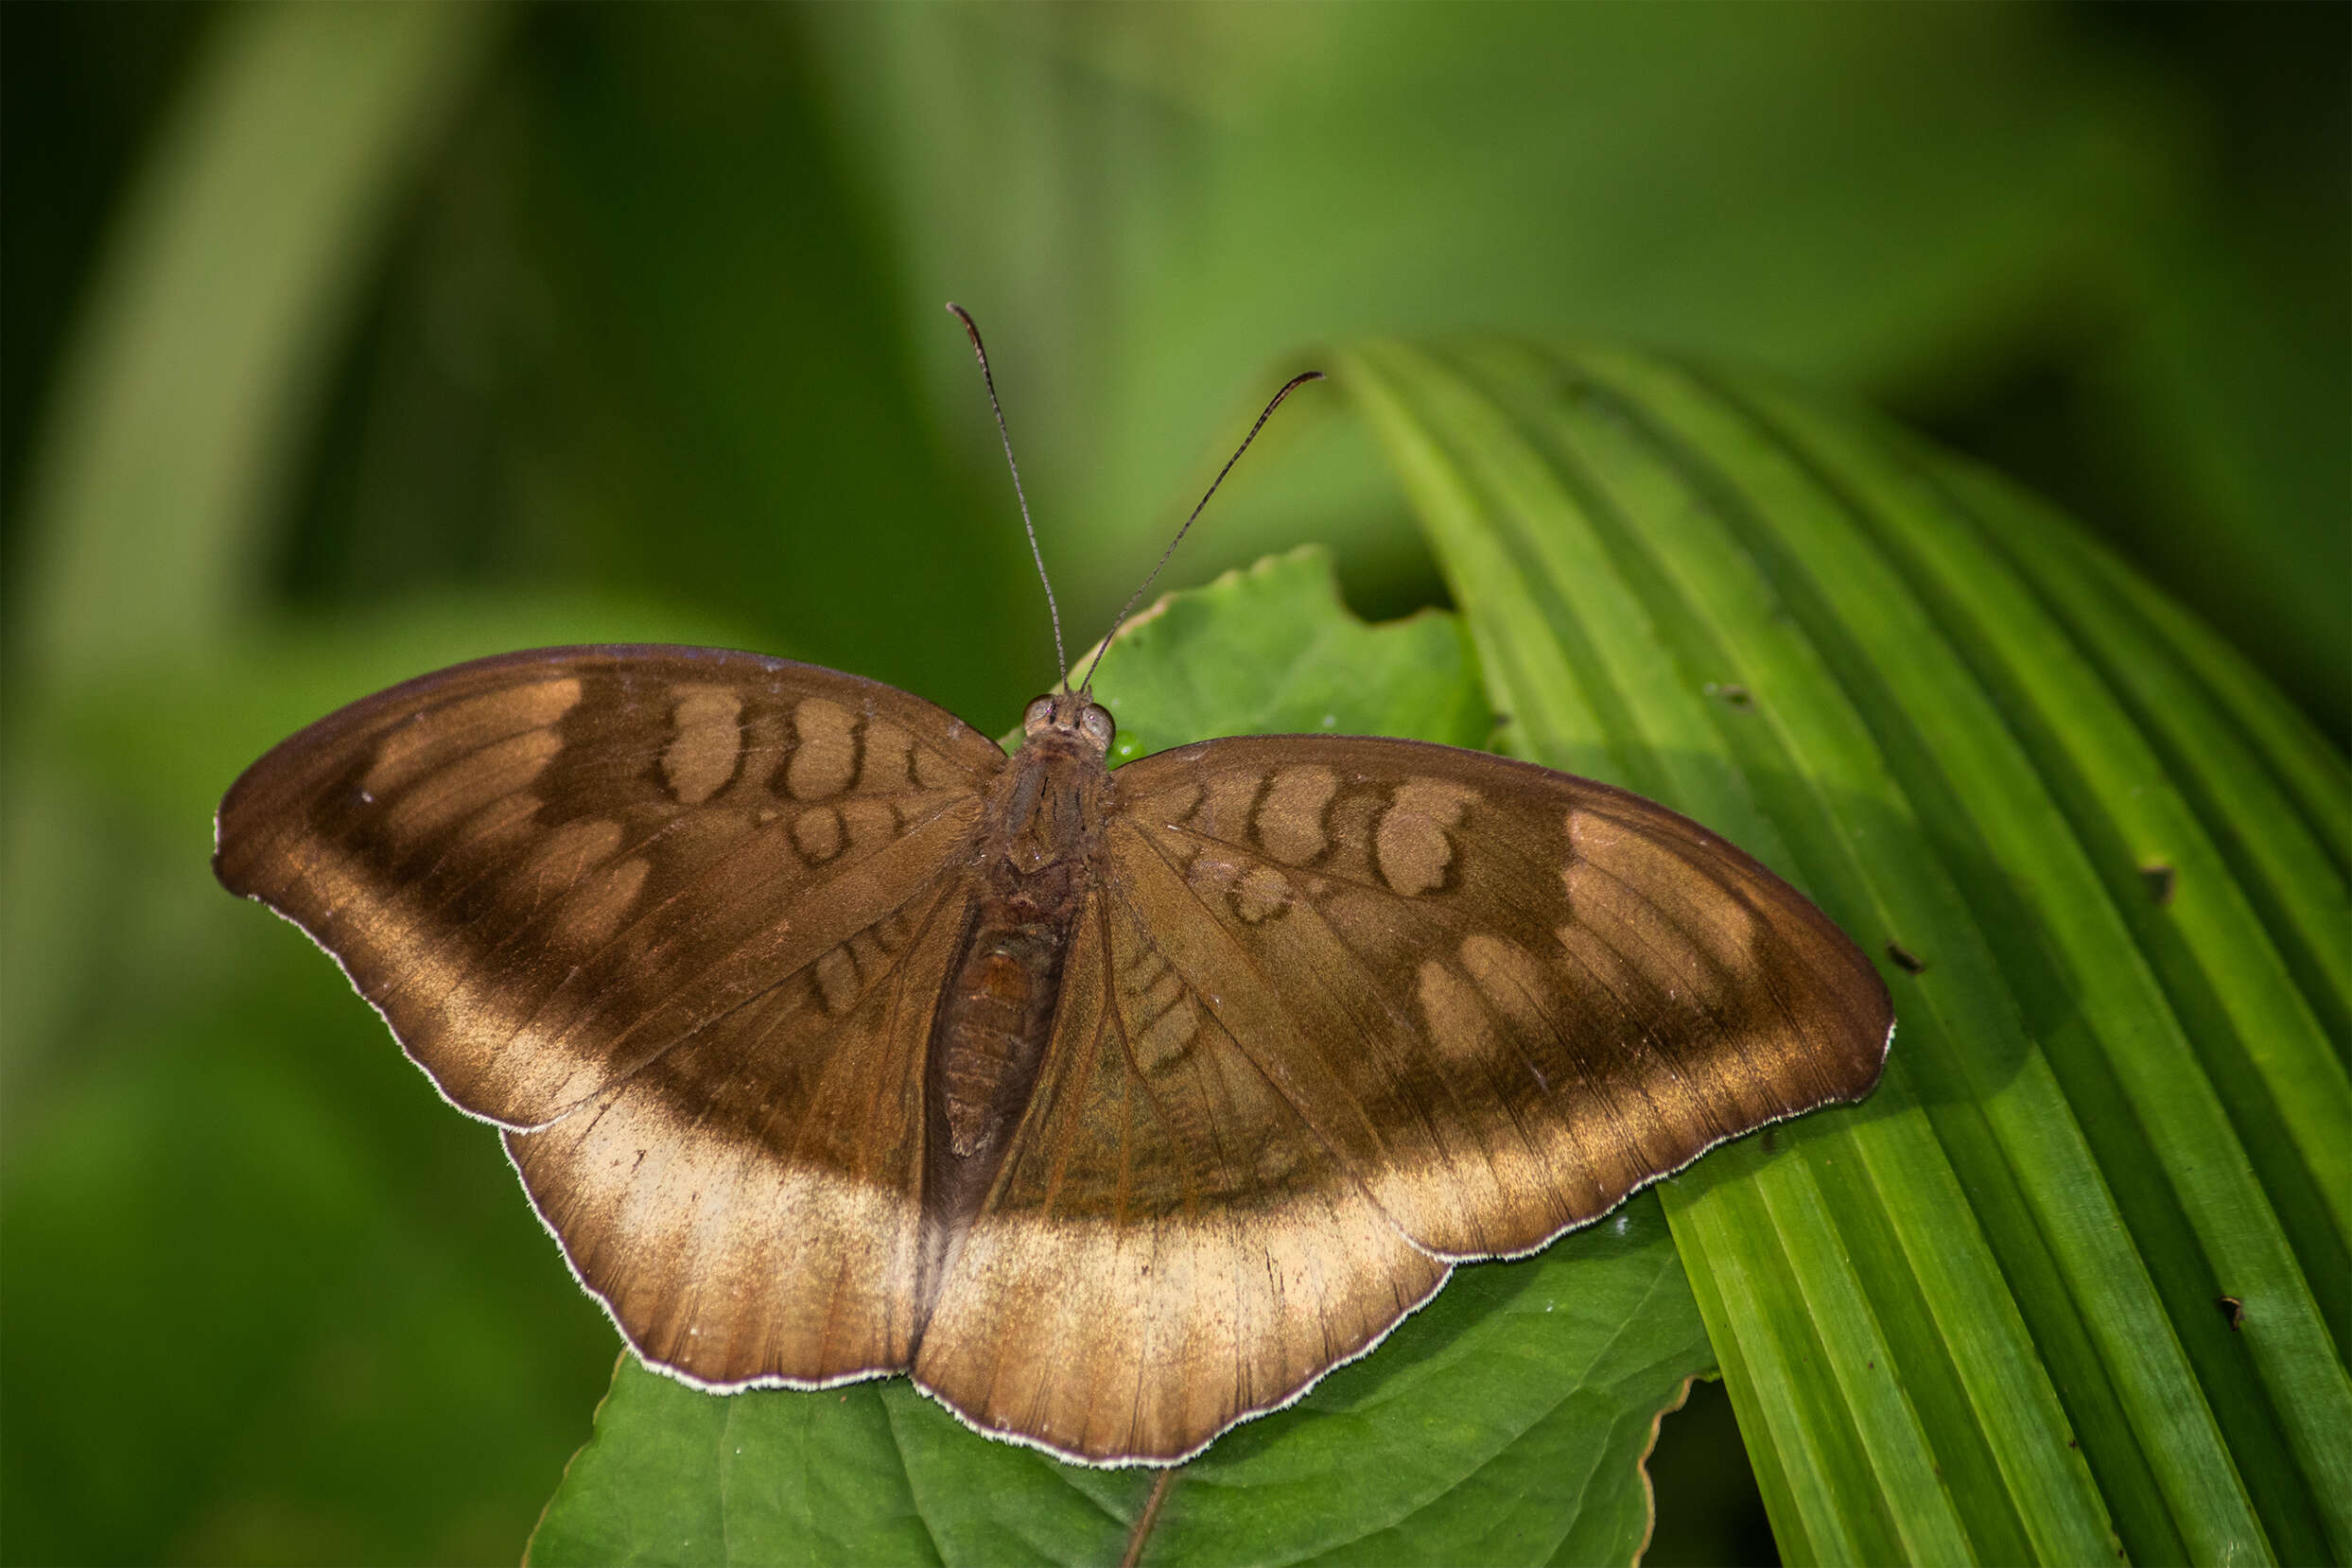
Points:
x=1709, y=1514
x=2074, y=407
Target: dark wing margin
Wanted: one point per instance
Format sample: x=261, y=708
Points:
x=545, y=868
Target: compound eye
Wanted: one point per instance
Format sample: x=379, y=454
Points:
x=1039, y=715
x=1097, y=721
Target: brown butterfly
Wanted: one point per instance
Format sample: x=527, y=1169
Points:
x=830, y=1042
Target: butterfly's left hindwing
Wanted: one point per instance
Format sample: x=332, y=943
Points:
x=545, y=868
x=747, y=1204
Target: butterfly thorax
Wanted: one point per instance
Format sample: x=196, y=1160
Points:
x=1043, y=823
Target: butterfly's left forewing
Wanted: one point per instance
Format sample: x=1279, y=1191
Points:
x=545, y=868
x=676, y=918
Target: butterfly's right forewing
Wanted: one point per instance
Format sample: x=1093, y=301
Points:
x=1508, y=996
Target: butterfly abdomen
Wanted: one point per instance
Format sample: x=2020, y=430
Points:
x=997, y=1011
x=993, y=1026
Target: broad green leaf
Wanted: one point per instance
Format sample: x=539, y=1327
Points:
x=1981, y=1317
x=1503, y=1422
x=1272, y=651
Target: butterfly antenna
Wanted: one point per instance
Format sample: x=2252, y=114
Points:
x=1288, y=387
x=971, y=330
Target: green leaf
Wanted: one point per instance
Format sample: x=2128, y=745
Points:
x=1976, y=1317
x=1272, y=651
x=1504, y=1422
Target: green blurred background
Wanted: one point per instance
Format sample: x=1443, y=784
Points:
x=337, y=343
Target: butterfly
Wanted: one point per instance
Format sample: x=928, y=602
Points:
x=830, y=1040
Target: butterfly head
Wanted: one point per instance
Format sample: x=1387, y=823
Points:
x=1072, y=715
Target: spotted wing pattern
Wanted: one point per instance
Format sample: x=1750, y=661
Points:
x=545, y=868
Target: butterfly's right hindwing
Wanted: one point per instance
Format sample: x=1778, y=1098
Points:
x=1169, y=1247
x=547, y=868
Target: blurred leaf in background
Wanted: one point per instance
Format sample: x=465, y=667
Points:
x=336, y=343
